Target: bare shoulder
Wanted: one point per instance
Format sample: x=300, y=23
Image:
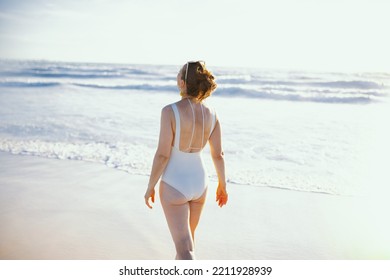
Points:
x=167, y=109
x=167, y=112
x=210, y=109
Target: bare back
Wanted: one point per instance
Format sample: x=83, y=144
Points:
x=196, y=122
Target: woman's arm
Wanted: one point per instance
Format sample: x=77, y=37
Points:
x=162, y=154
x=219, y=163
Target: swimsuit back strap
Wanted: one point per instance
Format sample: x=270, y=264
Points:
x=201, y=106
x=213, y=122
x=193, y=124
x=177, y=120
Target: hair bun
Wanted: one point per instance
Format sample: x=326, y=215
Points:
x=201, y=84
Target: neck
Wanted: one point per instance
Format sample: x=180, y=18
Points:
x=190, y=98
x=186, y=96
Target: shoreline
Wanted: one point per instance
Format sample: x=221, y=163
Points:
x=64, y=209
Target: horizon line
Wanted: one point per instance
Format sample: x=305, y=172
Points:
x=264, y=68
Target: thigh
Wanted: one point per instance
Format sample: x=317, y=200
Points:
x=177, y=211
x=170, y=196
x=196, y=207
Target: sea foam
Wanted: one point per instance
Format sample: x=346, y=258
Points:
x=293, y=130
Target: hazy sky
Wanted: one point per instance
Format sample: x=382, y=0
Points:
x=338, y=35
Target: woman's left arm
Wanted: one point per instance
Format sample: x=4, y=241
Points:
x=162, y=154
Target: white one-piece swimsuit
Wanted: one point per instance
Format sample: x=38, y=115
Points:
x=185, y=171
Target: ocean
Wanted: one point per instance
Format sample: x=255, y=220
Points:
x=323, y=132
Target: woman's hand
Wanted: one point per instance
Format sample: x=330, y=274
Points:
x=222, y=196
x=149, y=194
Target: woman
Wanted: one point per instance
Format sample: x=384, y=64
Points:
x=186, y=126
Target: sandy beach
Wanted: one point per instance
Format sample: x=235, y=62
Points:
x=62, y=209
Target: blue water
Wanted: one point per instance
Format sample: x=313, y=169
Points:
x=304, y=131
x=248, y=83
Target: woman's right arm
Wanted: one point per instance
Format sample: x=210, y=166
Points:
x=218, y=158
x=162, y=154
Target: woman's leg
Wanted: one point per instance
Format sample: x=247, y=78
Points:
x=196, y=207
x=177, y=212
